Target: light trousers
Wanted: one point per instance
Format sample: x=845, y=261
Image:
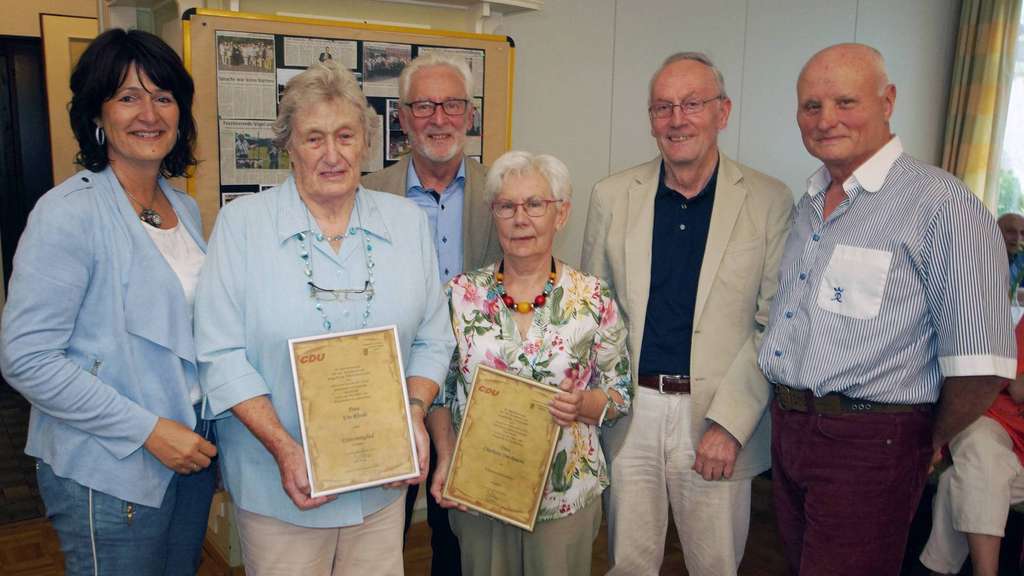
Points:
x=651, y=459
x=974, y=495
x=271, y=547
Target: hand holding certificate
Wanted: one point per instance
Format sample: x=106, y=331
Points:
x=353, y=410
x=504, y=448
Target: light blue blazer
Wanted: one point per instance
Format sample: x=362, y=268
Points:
x=96, y=335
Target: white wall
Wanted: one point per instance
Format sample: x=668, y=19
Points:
x=583, y=66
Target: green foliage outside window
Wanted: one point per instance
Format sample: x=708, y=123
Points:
x=1010, y=199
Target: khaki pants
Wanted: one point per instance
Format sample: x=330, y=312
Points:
x=559, y=547
x=651, y=459
x=974, y=495
x=271, y=547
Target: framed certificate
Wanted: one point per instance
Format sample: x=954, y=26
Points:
x=504, y=449
x=353, y=410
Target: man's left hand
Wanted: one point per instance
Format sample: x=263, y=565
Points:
x=716, y=453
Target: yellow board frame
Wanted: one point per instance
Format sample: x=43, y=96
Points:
x=204, y=183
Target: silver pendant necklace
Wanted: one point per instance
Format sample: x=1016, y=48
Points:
x=148, y=215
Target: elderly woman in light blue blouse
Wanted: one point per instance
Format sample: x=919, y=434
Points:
x=321, y=229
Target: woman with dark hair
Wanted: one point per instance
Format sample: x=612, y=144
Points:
x=97, y=332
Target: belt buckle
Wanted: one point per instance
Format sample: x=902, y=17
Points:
x=661, y=381
x=790, y=400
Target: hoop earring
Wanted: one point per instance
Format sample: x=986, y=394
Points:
x=101, y=136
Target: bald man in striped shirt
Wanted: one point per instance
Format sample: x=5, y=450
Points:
x=890, y=332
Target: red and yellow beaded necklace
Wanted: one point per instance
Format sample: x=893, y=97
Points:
x=523, y=307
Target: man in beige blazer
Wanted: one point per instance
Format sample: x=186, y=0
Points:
x=436, y=111
x=691, y=243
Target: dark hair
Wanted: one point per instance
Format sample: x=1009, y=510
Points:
x=100, y=72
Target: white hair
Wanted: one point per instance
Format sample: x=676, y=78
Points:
x=431, y=59
x=519, y=163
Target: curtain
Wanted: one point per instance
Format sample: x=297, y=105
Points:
x=980, y=93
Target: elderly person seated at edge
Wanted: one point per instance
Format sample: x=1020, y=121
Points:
x=369, y=259
x=974, y=495
x=97, y=333
x=531, y=315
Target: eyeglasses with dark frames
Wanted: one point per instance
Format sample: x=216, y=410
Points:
x=426, y=108
x=340, y=294
x=663, y=109
x=535, y=207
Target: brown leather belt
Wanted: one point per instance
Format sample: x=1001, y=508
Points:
x=666, y=383
x=834, y=403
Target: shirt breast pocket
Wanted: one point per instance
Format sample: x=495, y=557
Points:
x=854, y=282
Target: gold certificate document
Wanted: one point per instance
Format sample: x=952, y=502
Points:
x=353, y=410
x=504, y=449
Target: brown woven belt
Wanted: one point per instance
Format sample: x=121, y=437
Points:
x=666, y=383
x=794, y=400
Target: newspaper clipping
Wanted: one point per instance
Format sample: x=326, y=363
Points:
x=382, y=63
x=474, y=135
x=374, y=159
x=398, y=142
x=246, y=82
x=301, y=52
x=248, y=154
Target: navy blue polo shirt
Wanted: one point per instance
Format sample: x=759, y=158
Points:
x=677, y=252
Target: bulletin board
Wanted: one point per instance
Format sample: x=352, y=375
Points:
x=240, y=63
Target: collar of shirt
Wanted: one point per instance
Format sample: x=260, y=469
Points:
x=293, y=216
x=413, y=187
x=706, y=191
x=869, y=176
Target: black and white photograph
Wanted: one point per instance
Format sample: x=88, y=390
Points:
x=382, y=63
x=245, y=53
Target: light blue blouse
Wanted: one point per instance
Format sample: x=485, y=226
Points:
x=96, y=335
x=252, y=297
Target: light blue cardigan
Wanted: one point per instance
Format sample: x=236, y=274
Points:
x=96, y=335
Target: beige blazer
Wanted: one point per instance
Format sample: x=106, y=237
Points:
x=749, y=224
x=480, y=245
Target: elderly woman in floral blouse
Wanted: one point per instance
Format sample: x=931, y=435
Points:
x=539, y=318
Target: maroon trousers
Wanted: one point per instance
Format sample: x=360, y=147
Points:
x=846, y=488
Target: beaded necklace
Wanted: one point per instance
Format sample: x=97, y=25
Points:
x=523, y=307
x=305, y=255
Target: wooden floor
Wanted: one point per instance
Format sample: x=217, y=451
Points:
x=30, y=547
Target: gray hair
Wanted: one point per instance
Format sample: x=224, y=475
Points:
x=693, y=57
x=434, y=59
x=321, y=82
x=519, y=163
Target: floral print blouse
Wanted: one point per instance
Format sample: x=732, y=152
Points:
x=578, y=334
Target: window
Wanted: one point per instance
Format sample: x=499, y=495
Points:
x=1011, y=166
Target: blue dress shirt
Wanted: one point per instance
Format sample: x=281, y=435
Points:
x=444, y=212
x=252, y=297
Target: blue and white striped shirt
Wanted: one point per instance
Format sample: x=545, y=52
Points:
x=904, y=285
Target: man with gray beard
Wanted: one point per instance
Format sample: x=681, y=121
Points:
x=436, y=111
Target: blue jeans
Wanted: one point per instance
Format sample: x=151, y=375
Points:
x=103, y=535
